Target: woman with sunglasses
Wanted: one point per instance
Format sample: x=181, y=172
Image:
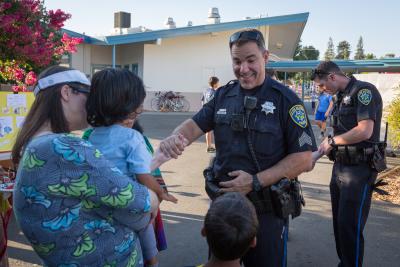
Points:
x=74, y=206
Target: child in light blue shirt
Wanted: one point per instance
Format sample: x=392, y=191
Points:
x=115, y=100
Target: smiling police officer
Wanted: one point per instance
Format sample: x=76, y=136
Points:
x=357, y=154
x=262, y=134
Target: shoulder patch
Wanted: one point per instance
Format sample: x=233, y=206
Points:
x=365, y=96
x=298, y=115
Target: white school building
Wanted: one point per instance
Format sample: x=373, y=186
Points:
x=181, y=59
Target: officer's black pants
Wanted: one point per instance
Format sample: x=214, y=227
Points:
x=351, y=191
x=271, y=243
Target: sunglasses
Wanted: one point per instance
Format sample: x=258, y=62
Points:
x=78, y=89
x=318, y=73
x=245, y=35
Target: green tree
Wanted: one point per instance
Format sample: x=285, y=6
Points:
x=360, y=50
x=329, y=53
x=370, y=56
x=305, y=52
x=310, y=52
x=343, y=50
x=298, y=53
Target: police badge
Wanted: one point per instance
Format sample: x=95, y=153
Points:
x=268, y=107
x=347, y=100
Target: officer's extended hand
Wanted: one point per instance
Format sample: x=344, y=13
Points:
x=243, y=183
x=173, y=145
x=324, y=147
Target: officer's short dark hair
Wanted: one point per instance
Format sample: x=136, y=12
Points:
x=230, y=226
x=324, y=69
x=249, y=35
x=213, y=81
x=114, y=94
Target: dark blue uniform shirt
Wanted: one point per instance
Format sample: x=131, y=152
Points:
x=279, y=126
x=359, y=101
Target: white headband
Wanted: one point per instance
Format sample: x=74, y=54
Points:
x=61, y=77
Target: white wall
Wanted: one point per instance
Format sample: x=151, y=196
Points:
x=89, y=55
x=81, y=60
x=130, y=54
x=388, y=84
x=184, y=64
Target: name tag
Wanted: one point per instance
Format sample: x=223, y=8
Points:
x=221, y=111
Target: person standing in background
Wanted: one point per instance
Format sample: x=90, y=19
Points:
x=208, y=94
x=322, y=111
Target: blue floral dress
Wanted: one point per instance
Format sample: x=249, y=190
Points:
x=77, y=209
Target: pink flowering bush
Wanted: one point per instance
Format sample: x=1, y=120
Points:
x=30, y=40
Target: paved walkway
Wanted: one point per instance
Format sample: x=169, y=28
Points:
x=311, y=241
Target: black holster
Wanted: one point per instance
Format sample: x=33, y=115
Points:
x=211, y=184
x=378, y=161
x=287, y=198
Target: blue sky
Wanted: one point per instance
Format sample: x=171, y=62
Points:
x=378, y=22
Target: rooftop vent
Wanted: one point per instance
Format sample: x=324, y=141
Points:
x=122, y=20
x=170, y=24
x=213, y=16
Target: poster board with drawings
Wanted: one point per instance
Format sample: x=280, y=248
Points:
x=13, y=110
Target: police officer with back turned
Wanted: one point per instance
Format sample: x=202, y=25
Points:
x=357, y=154
x=262, y=135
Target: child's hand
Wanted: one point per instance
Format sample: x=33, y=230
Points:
x=158, y=159
x=167, y=197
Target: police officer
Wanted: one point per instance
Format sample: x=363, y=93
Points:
x=262, y=134
x=357, y=116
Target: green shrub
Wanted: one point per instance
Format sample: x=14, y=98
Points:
x=393, y=119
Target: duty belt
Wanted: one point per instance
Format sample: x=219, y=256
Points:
x=351, y=154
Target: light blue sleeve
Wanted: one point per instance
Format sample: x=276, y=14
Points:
x=138, y=157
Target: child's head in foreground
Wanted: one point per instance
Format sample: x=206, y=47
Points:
x=116, y=96
x=230, y=226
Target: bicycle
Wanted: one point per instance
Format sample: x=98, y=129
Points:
x=169, y=101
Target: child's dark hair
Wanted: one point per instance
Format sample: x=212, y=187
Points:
x=213, y=81
x=230, y=226
x=114, y=94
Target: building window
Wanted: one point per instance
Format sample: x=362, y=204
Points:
x=99, y=67
x=135, y=68
x=65, y=60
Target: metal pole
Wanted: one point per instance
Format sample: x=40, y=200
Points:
x=113, y=56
